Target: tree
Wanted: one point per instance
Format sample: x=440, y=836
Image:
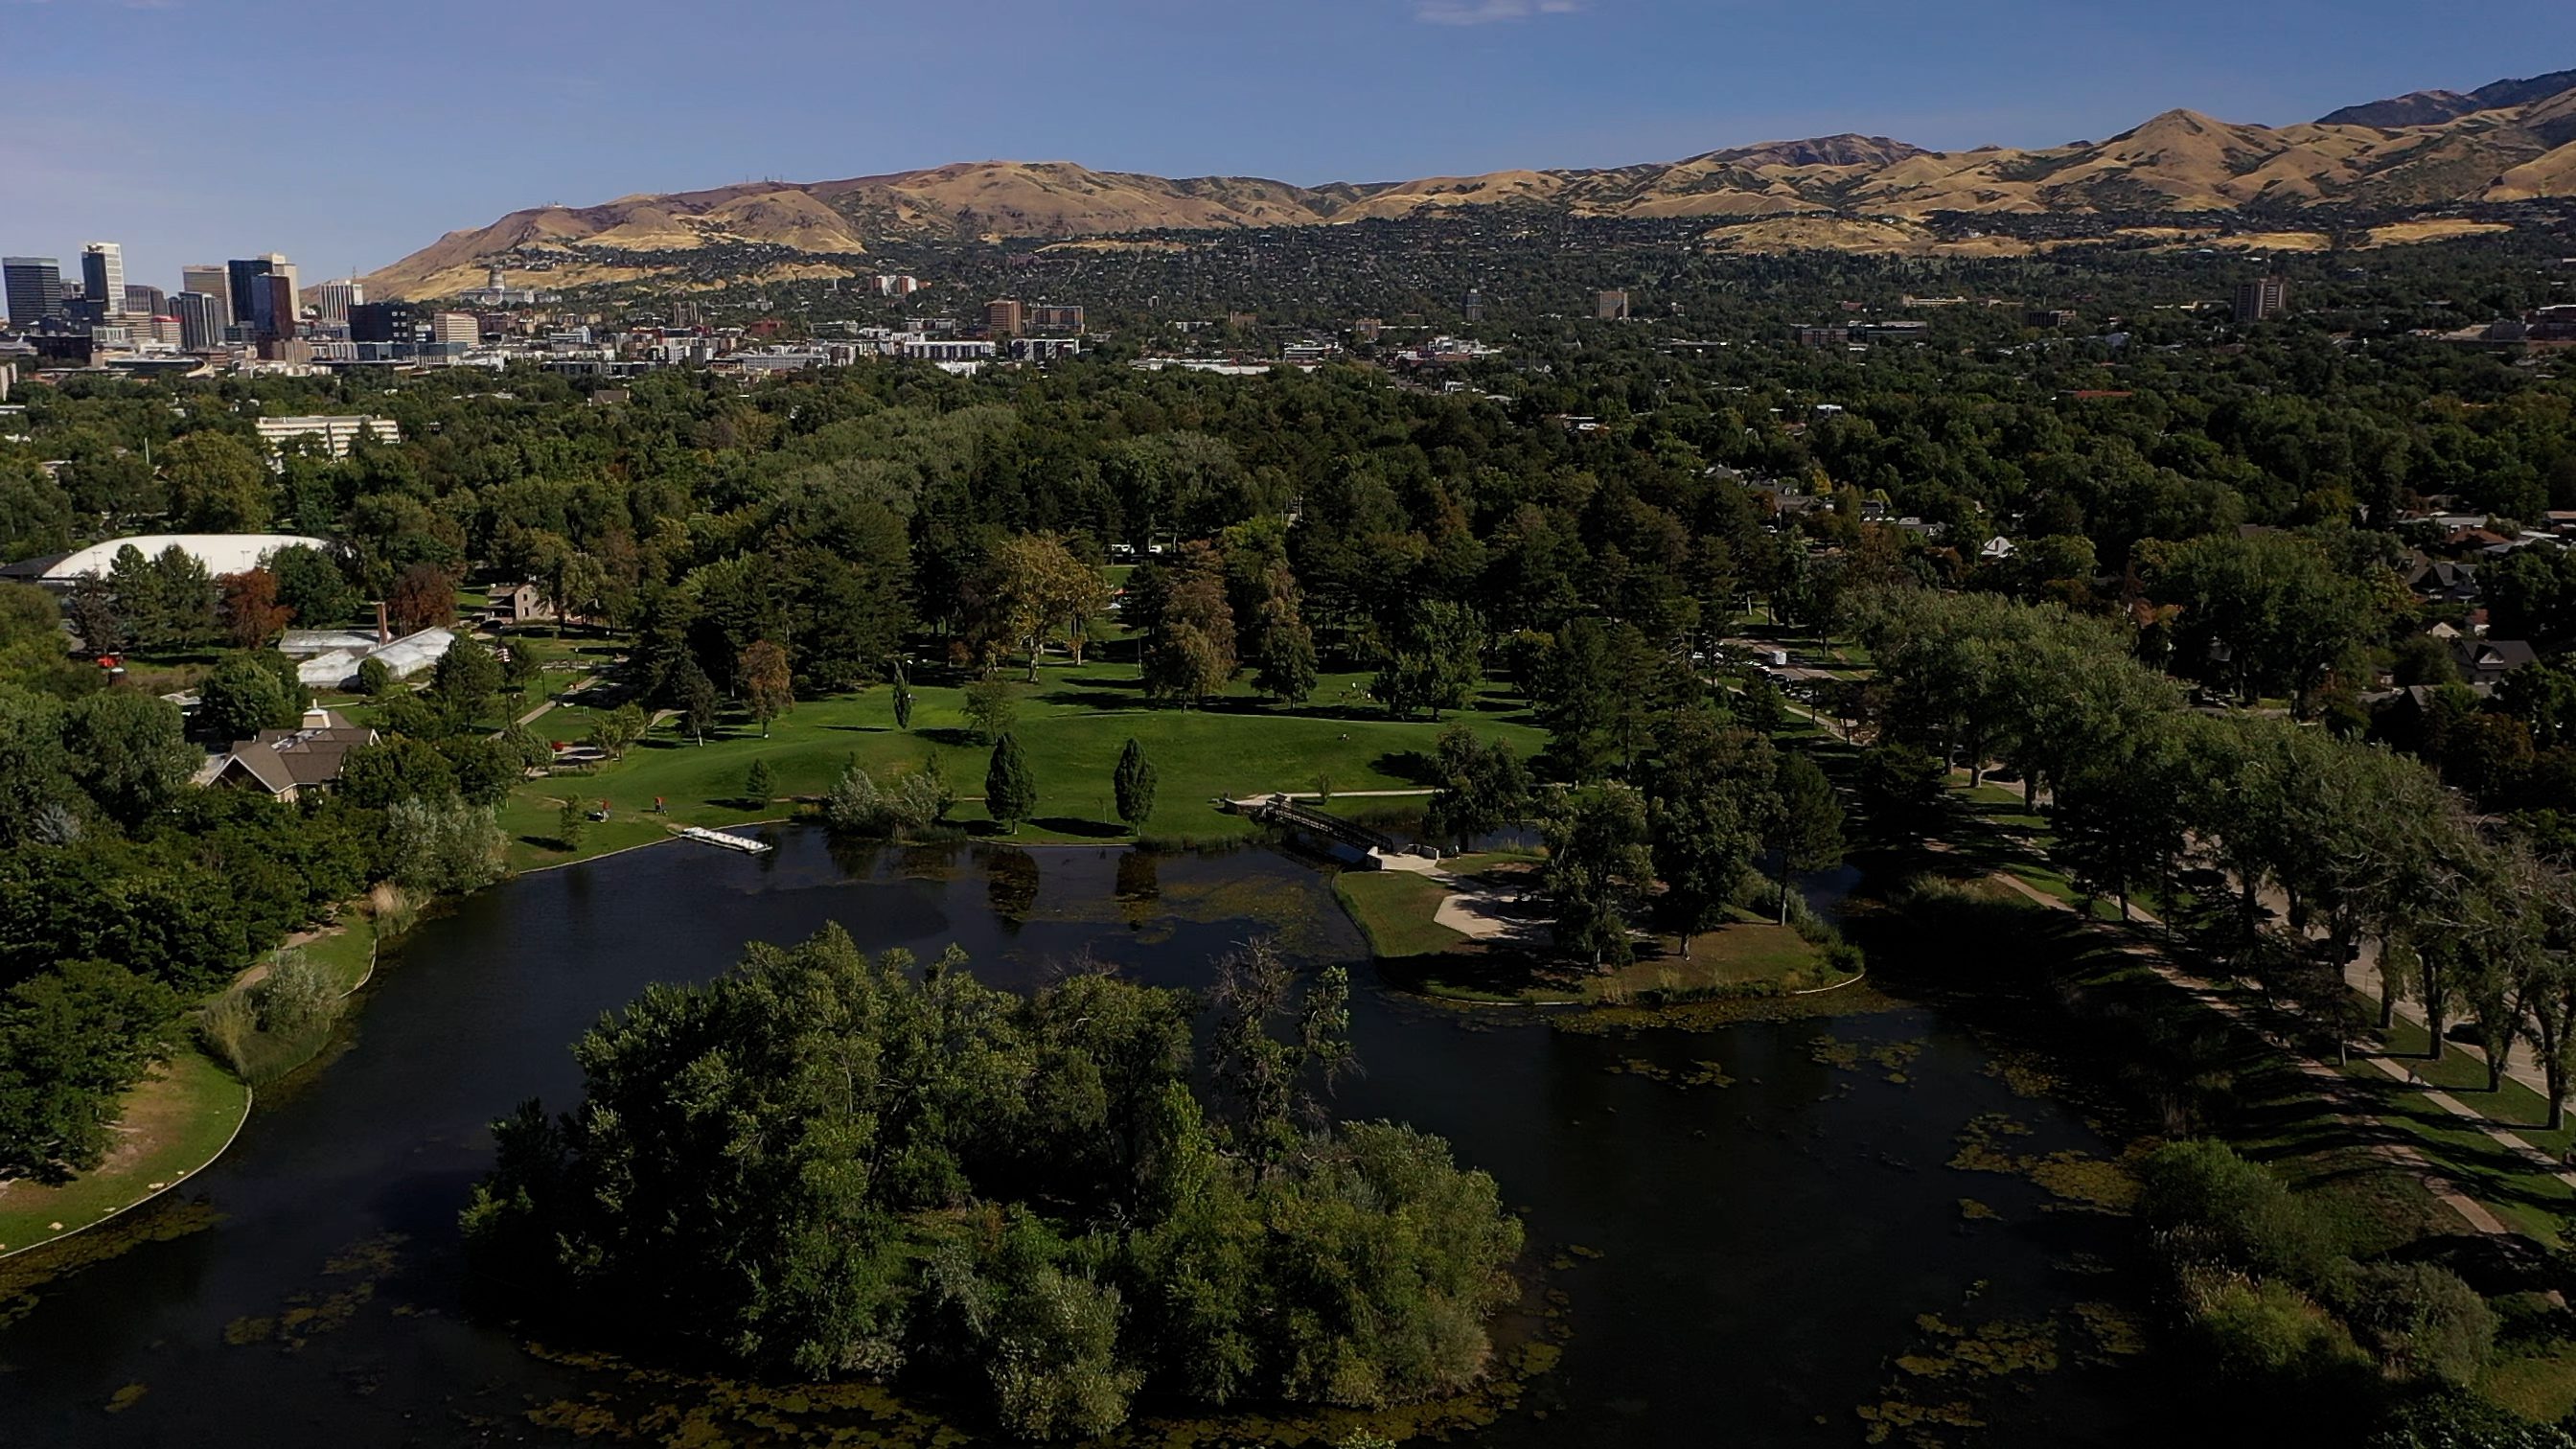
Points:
x=217, y=484
x=1806, y=826
x=129, y=752
x=73, y=1038
x=1010, y=791
x=617, y=731
x=1179, y=608
x=1711, y=789
x=95, y=616
x=1598, y=868
x=902, y=698
x=1283, y=648
x=1482, y=787
x=423, y=597
x=1434, y=662
x=310, y=583
x=244, y=696
x=697, y=696
x=375, y=678
x=570, y=821
x=1133, y=783
x=466, y=677
x=252, y=615
x=758, y=784
x=443, y=847
x=992, y=706
x=766, y=685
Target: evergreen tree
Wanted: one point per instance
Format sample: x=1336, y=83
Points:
x=902, y=697
x=758, y=784
x=1134, y=784
x=1010, y=792
x=569, y=823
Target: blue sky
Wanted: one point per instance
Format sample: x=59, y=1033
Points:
x=349, y=132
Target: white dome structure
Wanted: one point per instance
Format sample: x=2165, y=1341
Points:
x=221, y=553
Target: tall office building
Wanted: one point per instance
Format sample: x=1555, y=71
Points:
x=1474, y=307
x=263, y=292
x=1003, y=317
x=337, y=297
x=239, y=275
x=210, y=281
x=201, y=320
x=142, y=301
x=456, y=329
x=1610, y=306
x=34, y=288
x=2263, y=300
x=103, y=278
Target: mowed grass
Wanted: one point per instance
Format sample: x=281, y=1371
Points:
x=1071, y=724
x=173, y=1125
x=1394, y=909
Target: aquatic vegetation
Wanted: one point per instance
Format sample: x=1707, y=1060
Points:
x=2079, y=1181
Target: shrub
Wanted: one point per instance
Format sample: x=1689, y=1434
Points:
x=2421, y=1319
x=2208, y=1206
x=992, y=707
x=293, y=995
x=2270, y=1331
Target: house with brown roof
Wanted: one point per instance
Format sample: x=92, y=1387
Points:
x=284, y=764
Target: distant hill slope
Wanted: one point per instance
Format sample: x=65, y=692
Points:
x=2510, y=141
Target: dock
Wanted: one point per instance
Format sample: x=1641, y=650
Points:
x=743, y=843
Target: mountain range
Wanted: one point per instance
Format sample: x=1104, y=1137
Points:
x=2514, y=140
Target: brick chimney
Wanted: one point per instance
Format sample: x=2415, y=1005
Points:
x=384, y=630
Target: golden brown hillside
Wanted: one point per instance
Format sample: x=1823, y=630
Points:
x=2513, y=141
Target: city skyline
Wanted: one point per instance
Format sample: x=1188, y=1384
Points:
x=565, y=106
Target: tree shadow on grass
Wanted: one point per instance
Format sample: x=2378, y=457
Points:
x=1087, y=829
x=1411, y=766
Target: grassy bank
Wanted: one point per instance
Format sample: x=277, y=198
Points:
x=1393, y=909
x=180, y=1119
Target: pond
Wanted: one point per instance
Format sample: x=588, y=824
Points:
x=1754, y=1233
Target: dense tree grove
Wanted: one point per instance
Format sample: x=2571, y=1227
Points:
x=829, y=1165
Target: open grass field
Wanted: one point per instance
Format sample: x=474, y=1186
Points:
x=1393, y=908
x=1072, y=724
x=175, y=1123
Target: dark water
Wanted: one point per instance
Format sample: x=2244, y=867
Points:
x=1742, y=1260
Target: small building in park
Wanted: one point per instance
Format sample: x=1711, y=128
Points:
x=284, y=764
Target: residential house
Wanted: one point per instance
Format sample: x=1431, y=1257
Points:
x=2484, y=661
x=2442, y=581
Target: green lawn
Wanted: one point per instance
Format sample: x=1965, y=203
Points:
x=1394, y=910
x=174, y=1124
x=1072, y=724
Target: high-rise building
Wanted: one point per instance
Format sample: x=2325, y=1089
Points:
x=455, y=329
x=34, y=288
x=387, y=323
x=1003, y=317
x=201, y=320
x=2262, y=300
x=1474, y=306
x=142, y=301
x=209, y=281
x=239, y=275
x=103, y=278
x=1610, y=306
x=1053, y=317
x=337, y=297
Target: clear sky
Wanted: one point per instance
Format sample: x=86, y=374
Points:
x=349, y=132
